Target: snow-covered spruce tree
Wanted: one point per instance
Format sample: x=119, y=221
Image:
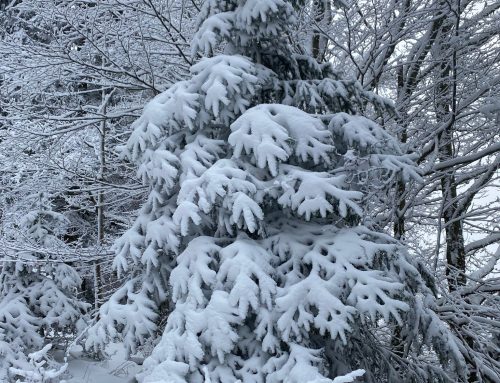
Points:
x=37, y=289
x=7, y=357
x=254, y=238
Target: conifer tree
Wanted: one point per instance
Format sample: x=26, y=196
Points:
x=6, y=356
x=37, y=289
x=256, y=239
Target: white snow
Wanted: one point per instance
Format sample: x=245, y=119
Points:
x=115, y=370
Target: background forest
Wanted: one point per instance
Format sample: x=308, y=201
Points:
x=254, y=191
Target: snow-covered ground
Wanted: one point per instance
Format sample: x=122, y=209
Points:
x=117, y=369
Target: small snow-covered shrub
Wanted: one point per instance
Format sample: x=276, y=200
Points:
x=38, y=369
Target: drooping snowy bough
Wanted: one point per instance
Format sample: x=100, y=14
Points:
x=256, y=239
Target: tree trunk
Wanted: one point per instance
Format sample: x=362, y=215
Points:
x=100, y=204
x=445, y=114
x=399, y=219
x=322, y=13
x=446, y=102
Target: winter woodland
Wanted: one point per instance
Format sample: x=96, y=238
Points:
x=252, y=191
